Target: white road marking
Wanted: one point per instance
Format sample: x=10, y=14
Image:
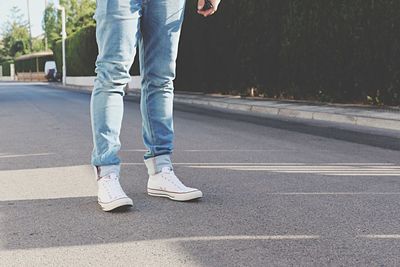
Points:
x=380, y=236
x=332, y=169
x=366, y=169
x=213, y=163
x=150, y=252
x=239, y=237
x=134, y=253
x=6, y=84
x=332, y=193
x=298, y=168
x=362, y=164
x=2, y=156
x=270, y=164
x=215, y=150
x=47, y=183
x=307, y=167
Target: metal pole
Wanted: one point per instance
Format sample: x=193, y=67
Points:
x=64, y=37
x=45, y=36
x=30, y=29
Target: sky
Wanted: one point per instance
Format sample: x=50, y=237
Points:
x=36, y=8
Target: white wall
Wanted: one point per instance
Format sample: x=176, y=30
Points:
x=6, y=79
x=80, y=81
x=12, y=71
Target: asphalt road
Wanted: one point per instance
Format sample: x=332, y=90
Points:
x=277, y=193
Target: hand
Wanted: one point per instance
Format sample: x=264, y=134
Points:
x=210, y=11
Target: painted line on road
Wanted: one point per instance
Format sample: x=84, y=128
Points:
x=47, y=183
x=238, y=237
x=213, y=163
x=354, y=174
x=2, y=156
x=337, y=167
x=311, y=170
x=236, y=150
x=331, y=193
x=339, y=173
x=272, y=164
x=148, y=252
x=380, y=236
x=216, y=150
x=333, y=170
x=6, y=84
x=299, y=168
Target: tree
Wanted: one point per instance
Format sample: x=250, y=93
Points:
x=38, y=44
x=3, y=55
x=79, y=14
x=15, y=35
x=50, y=24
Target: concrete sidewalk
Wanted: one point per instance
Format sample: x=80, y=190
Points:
x=369, y=116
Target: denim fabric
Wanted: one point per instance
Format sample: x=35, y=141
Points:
x=106, y=170
x=155, y=26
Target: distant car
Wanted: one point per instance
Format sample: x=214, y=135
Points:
x=50, y=71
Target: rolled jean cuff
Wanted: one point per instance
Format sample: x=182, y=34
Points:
x=107, y=169
x=154, y=165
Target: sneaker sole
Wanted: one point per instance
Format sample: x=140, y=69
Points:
x=116, y=204
x=175, y=196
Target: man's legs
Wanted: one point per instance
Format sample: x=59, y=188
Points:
x=160, y=27
x=116, y=33
x=117, y=28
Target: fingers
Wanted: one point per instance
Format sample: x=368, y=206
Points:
x=207, y=12
x=200, y=4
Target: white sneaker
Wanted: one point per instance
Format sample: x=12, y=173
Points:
x=166, y=184
x=110, y=193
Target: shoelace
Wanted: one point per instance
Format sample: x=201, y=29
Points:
x=169, y=174
x=112, y=186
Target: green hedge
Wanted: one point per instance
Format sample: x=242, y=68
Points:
x=81, y=53
x=342, y=50
x=30, y=65
x=331, y=50
x=6, y=67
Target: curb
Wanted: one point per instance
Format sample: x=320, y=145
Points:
x=283, y=110
x=382, y=123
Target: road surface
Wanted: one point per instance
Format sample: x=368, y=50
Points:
x=276, y=193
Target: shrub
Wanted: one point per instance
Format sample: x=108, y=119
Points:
x=81, y=53
x=303, y=49
x=328, y=50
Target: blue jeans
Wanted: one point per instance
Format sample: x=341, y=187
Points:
x=155, y=26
